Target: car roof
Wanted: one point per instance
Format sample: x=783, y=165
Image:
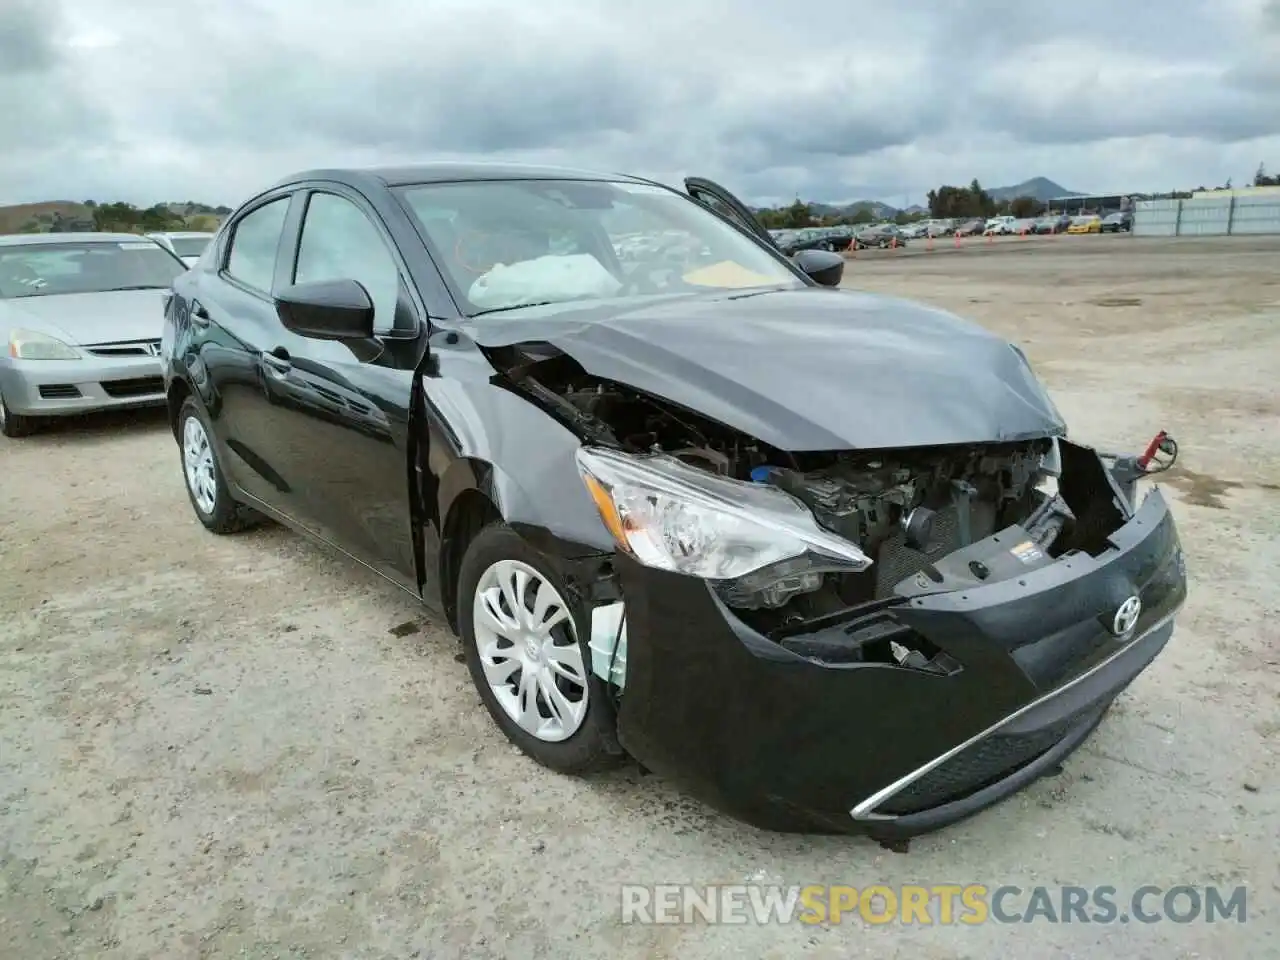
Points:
x=449, y=171
x=25, y=239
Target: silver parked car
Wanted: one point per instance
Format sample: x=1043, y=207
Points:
x=81, y=316
x=187, y=245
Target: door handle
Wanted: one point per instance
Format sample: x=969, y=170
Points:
x=278, y=361
x=199, y=315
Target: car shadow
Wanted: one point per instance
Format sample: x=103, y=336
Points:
x=103, y=423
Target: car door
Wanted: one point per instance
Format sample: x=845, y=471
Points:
x=717, y=198
x=232, y=316
x=342, y=408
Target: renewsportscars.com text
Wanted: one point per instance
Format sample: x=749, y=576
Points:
x=943, y=904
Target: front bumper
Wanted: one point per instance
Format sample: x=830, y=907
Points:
x=790, y=743
x=43, y=388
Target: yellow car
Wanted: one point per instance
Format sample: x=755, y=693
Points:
x=1090, y=223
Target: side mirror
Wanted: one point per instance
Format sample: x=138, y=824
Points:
x=821, y=266
x=327, y=310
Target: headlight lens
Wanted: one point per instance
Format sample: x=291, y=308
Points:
x=29, y=345
x=671, y=516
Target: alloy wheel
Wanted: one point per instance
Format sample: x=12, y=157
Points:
x=529, y=651
x=197, y=462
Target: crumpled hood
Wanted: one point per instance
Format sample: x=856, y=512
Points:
x=86, y=318
x=807, y=369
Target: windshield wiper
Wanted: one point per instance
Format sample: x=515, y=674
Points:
x=520, y=306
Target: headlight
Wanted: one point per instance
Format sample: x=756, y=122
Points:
x=672, y=516
x=29, y=345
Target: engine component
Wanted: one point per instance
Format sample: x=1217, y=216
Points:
x=712, y=460
x=862, y=506
x=917, y=528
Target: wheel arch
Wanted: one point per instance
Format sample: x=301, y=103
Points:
x=177, y=394
x=469, y=513
x=567, y=530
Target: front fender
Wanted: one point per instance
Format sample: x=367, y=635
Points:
x=484, y=437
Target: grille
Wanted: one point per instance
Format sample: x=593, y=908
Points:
x=135, y=387
x=131, y=348
x=986, y=762
x=59, y=391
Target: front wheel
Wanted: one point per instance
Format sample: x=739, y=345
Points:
x=206, y=486
x=525, y=645
x=14, y=425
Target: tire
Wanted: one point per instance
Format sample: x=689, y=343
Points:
x=573, y=745
x=203, y=478
x=15, y=425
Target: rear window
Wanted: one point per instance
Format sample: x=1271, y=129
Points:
x=43, y=270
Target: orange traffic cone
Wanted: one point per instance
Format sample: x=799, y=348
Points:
x=957, y=239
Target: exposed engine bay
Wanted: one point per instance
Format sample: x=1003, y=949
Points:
x=920, y=513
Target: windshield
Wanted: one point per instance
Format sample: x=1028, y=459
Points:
x=189, y=246
x=511, y=243
x=49, y=269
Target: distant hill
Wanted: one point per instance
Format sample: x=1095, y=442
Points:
x=14, y=218
x=878, y=210
x=1039, y=188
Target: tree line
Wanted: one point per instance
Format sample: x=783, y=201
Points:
x=120, y=217
x=947, y=201
x=126, y=218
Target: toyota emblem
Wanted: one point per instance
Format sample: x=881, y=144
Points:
x=1126, y=617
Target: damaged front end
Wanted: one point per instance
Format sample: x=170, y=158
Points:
x=878, y=639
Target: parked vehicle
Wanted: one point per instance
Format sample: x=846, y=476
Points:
x=187, y=245
x=707, y=513
x=834, y=239
x=915, y=231
x=1024, y=225
x=80, y=318
x=882, y=235
x=1117, y=222
x=972, y=227
x=999, y=226
x=1054, y=223
x=941, y=228
x=1087, y=223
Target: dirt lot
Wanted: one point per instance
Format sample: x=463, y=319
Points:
x=243, y=747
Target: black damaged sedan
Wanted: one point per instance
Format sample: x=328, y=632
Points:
x=826, y=559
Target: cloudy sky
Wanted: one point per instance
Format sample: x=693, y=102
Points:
x=149, y=100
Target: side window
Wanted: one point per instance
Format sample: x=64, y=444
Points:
x=340, y=243
x=254, y=243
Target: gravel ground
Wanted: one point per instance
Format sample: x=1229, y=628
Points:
x=243, y=747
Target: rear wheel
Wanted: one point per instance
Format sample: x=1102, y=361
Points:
x=525, y=646
x=15, y=425
x=206, y=486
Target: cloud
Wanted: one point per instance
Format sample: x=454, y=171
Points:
x=153, y=100
x=43, y=105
